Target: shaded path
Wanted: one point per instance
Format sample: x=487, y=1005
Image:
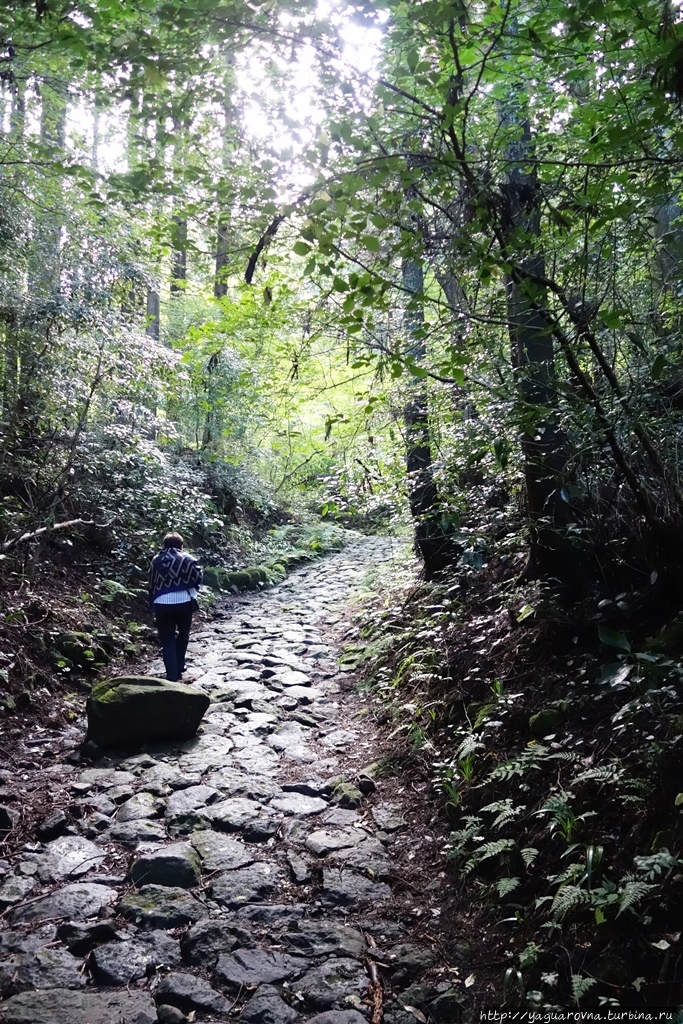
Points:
x=234, y=875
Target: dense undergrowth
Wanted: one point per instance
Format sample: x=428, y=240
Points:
x=74, y=600
x=554, y=743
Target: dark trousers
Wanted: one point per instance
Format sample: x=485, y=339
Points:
x=169, y=619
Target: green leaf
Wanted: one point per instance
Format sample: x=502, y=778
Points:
x=614, y=638
x=415, y=370
x=658, y=367
x=301, y=248
x=370, y=242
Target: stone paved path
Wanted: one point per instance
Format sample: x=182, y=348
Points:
x=232, y=876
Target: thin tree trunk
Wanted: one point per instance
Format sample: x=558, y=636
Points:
x=532, y=353
x=152, y=328
x=44, y=261
x=220, y=281
x=11, y=341
x=178, y=220
x=431, y=538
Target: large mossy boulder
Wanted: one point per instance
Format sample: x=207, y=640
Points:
x=130, y=710
x=235, y=580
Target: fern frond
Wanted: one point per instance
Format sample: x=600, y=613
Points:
x=506, y=885
x=632, y=893
x=568, y=898
x=529, y=855
x=494, y=848
x=571, y=873
x=606, y=773
x=580, y=986
x=468, y=746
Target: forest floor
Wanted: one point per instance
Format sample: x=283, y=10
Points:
x=285, y=872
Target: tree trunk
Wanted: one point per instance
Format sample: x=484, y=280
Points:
x=179, y=255
x=220, y=281
x=532, y=355
x=11, y=340
x=44, y=261
x=152, y=314
x=431, y=534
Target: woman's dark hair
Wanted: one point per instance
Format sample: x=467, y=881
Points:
x=172, y=540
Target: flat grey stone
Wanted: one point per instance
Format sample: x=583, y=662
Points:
x=286, y=702
x=346, y=888
x=340, y=739
x=21, y=941
x=100, y=803
x=409, y=957
x=120, y=963
x=188, y=993
x=162, y=778
x=247, y=694
x=44, y=968
x=219, y=853
x=231, y=815
x=291, y=734
x=325, y=841
x=340, y=816
x=304, y=694
x=325, y=938
x=205, y=752
x=130, y=833
x=160, y=906
x=260, y=759
x=69, y=857
x=339, y=1017
x=266, y=1006
x=207, y=940
x=176, y=865
x=300, y=753
x=55, y=1006
x=291, y=677
x=191, y=799
x=260, y=830
x=388, y=817
x=16, y=888
x=119, y=794
x=53, y=824
x=250, y=967
x=273, y=916
x=334, y=981
x=300, y=868
x=280, y=659
x=104, y=778
x=76, y=902
x=246, y=885
x=369, y=857
x=142, y=805
x=80, y=938
x=238, y=783
x=299, y=804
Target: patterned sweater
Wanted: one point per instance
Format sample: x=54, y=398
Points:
x=173, y=570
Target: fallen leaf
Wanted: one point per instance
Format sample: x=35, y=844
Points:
x=469, y=981
x=418, y=1014
x=662, y=944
